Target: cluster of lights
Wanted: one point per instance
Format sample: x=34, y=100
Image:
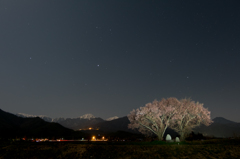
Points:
x=89, y=129
x=94, y=138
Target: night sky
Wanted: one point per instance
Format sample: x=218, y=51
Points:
x=107, y=57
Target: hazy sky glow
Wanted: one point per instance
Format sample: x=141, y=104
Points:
x=68, y=58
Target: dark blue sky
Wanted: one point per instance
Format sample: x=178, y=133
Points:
x=68, y=58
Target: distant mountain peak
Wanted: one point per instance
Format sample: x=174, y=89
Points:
x=222, y=120
x=112, y=118
x=87, y=116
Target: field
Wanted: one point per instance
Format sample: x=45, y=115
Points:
x=217, y=148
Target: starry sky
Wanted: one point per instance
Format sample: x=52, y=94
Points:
x=67, y=58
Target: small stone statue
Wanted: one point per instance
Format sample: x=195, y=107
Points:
x=177, y=139
x=168, y=138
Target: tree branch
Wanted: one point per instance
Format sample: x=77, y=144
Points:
x=148, y=128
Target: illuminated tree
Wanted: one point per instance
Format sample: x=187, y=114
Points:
x=189, y=115
x=155, y=117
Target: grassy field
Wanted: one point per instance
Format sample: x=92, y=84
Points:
x=221, y=148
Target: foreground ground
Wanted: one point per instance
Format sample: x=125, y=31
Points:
x=197, y=149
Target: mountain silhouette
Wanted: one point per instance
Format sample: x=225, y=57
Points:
x=222, y=120
x=80, y=123
x=221, y=128
x=83, y=122
x=12, y=126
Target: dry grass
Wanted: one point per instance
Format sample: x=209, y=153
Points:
x=197, y=149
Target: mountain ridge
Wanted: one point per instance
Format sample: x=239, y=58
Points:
x=12, y=126
x=85, y=116
x=221, y=127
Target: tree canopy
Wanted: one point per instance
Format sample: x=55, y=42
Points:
x=182, y=116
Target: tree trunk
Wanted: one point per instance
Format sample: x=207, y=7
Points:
x=182, y=135
x=160, y=137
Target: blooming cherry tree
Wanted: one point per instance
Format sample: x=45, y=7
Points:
x=189, y=115
x=155, y=117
